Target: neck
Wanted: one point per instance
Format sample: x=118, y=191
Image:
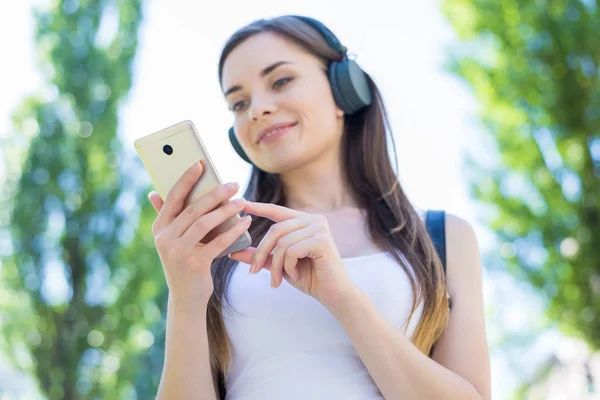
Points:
x=318, y=186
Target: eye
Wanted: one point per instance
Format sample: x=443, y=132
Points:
x=281, y=82
x=238, y=106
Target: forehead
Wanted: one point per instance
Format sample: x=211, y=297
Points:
x=259, y=51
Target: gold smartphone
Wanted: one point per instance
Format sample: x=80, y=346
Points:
x=167, y=154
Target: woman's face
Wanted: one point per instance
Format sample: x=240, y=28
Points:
x=270, y=82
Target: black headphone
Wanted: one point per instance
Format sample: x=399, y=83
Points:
x=348, y=81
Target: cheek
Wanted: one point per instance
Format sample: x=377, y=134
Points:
x=314, y=104
x=242, y=131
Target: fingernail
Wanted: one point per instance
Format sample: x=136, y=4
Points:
x=232, y=186
x=252, y=269
x=238, y=201
x=197, y=166
x=255, y=267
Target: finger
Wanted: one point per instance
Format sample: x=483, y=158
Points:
x=290, y=267
x=175, y=199
x=155, y=200
x=269, y=241
x=209, y=202
x=277, y=268
x=277, y=265
x=273, y=212
x=206, y=223
x=225, y=239
x=289, y=278
x=244, y=256
x=310, y=247
x=268, y=262
x=280, y=252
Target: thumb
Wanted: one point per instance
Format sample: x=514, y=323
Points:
x=246, y=255
x=156, y=201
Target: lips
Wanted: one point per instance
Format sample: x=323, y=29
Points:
x=273, y=129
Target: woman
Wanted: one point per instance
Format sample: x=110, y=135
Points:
x=346, y=295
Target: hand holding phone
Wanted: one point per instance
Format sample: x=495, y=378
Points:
x=196, y=221
x=178, y=231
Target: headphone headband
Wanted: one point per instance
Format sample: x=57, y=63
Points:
x=329, y=36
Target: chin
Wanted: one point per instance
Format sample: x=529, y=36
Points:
x=280, y=161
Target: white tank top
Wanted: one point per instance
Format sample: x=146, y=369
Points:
x=286, y=345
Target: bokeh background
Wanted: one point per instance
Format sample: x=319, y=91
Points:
x=495, y=112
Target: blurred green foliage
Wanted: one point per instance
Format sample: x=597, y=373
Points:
x=534, y=69
x=82, y=294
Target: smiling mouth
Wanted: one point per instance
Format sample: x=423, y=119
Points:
x=273, y=134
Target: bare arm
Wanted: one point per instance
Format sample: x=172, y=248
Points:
x=463, y=347
x=460, y=368
x=187, y=373
x=187, y=266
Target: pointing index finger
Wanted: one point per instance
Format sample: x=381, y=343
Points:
x=274, y=212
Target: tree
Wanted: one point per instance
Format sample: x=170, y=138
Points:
x=71, y=215
x=534, y=69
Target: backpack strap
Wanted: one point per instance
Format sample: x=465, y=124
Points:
x=435, y=221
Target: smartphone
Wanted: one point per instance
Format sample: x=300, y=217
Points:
x=167, y=154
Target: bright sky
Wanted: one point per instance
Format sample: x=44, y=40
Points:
x=401, y=44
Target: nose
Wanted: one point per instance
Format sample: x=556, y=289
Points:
x=260, y=108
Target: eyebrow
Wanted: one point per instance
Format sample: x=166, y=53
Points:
x=263, y=73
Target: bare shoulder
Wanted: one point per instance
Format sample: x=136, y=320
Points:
x=458, y=226
x=463, y=254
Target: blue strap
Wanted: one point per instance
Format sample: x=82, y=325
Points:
x=435, y=221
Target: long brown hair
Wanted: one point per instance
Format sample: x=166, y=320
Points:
x=394, y=225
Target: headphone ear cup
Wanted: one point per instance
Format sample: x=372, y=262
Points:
x=335, y=89
x=237, y=147
x=350, y=86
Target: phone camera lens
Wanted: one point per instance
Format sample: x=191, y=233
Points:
x=168, y=149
